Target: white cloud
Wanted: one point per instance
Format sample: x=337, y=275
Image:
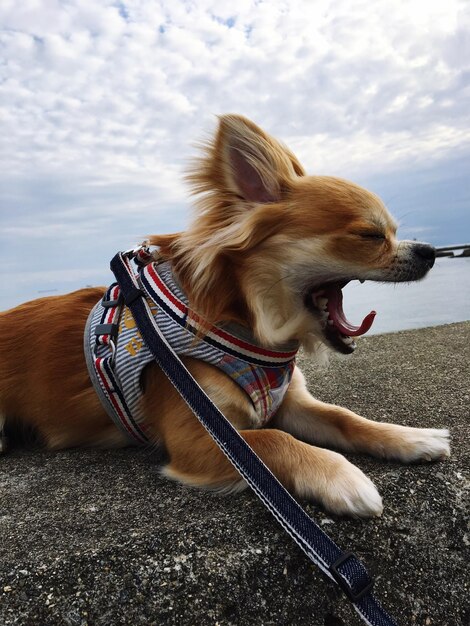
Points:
x=382, y=151
x=121, y=86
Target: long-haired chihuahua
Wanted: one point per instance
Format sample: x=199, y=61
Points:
x=258, y=274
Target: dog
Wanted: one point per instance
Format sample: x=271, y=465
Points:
x=268, y=253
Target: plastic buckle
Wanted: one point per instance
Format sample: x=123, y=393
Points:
x=107, y=304
x=353, y=595
x=107, y=329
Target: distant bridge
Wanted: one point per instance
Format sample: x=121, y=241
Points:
x=449, y=250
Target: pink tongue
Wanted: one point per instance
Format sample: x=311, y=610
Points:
x=335, y=312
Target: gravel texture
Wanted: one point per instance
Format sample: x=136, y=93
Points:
x=99, y=538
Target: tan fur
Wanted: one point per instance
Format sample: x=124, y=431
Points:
x=264, y=234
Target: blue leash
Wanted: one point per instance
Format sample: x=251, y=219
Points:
x=343, y=567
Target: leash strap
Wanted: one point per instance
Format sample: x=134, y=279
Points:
x=344, y=568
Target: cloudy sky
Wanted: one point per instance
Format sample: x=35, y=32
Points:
x=101, y=104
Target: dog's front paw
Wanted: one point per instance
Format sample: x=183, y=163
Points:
x=341, y=487
x=413, y=445
x=351, y=492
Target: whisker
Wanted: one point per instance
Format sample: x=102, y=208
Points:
x=277, y=282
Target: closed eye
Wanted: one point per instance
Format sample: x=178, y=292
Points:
x=372, y=235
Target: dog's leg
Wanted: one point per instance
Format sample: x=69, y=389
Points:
x=196, y=459
x=307, y=471
x=327, y=424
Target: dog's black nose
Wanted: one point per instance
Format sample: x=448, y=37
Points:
x=425, y=252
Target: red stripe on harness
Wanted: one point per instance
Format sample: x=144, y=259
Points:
x=165, y=291
x=116, y=404
x=218, y=332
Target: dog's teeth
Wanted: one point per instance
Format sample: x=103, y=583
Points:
x=321, y=303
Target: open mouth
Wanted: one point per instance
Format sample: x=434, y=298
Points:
x=326, y=301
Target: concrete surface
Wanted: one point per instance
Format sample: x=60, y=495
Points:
x=99, y=538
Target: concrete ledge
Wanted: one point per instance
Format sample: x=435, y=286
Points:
x=98, y=538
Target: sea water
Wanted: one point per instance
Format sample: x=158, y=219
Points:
x=442, y=297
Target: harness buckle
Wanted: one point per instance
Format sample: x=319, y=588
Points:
x=107, y=304
x=107, y=329
x=353, y=593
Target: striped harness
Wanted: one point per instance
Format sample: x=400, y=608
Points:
x=116, y=354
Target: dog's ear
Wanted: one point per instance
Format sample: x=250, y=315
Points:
x=255, y=166
x=244, y=162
